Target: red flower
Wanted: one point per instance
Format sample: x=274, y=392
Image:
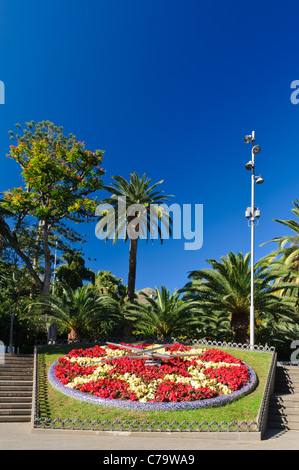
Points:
x=234, y=376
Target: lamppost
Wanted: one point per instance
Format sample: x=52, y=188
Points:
x=252, y=213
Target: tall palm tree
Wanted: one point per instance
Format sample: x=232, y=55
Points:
x=133, y=212
x=226, y=289
x=163, y=314
x=78, y=310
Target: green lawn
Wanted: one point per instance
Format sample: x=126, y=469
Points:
x=55, y=405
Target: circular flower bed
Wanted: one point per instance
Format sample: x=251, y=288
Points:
x=209, y=378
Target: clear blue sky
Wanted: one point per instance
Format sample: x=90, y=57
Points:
x=169, y=88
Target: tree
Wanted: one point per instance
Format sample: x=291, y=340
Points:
x=13, y=284
x=74, y=272
x=226, y=289
x=107, y=284
x=283, y=262
x=133, y=211
x=163, y=315
x=78, y=310
x=59, y=175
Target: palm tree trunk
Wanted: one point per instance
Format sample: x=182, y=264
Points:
x=240, y=325
x=73, y=336
x=132, y=269
x=131, y=281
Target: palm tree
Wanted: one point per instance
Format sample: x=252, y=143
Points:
x=283, y=263
x=226, y=289
x=163, y=314
x=79, y=310
x=134, y=211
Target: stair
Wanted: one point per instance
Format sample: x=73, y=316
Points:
x=16, y=387
x=284, y=402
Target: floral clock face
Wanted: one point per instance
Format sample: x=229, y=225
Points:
x=102, y=372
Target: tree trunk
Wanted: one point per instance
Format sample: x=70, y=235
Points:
x=131, y=280
x=74, y=336
x=47, y=253
x=35, y=259
x=240, y=325
x=11, y=329
x=132, y=269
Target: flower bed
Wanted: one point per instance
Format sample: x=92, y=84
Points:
x=209, y=378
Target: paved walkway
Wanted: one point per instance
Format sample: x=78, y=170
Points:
x=19, y=436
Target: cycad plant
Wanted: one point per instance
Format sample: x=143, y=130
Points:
x=81, y=311
x=164, y=314
x=226, y=289
x=135, y=210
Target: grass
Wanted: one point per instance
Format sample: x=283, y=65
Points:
x=55, y=405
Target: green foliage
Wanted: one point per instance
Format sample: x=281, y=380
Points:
x=225, y=290
x=58, y=175
x=74, y=272
x=163, y=315
x=106, y=283
x=118, y=221
x=81, y=311
x=136, y=191
x=283, y=262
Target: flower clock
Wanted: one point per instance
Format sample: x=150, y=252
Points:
x=176, y=377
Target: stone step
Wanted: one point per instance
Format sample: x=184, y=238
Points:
x=7, y=358
x=15, y=369
x=16, y=388
x=16, y=405
x=15, y=419
x=284, y=412
x=284, y=402
x=12, y=392
x=284, y=398
x=287, y=391
x=15, y=383
x=24, y=412
x=17, y=365
x=292, y=377
x=283, y=426
x=15, y=377
x=16, y=399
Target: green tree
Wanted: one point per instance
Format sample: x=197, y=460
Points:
x=225, y=289
x=133, y=212
x=283, y=262
x=107, y=284
x=80, y=311
x=163, y=315
x=13, y=289
x=74, y=272
x=59, y=174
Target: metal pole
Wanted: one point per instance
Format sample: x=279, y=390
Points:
x=251, y=325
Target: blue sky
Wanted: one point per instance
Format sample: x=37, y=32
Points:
x=168, y=88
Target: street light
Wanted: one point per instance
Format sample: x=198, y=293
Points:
x=252, y=214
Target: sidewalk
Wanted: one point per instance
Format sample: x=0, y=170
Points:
x=20, y=436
